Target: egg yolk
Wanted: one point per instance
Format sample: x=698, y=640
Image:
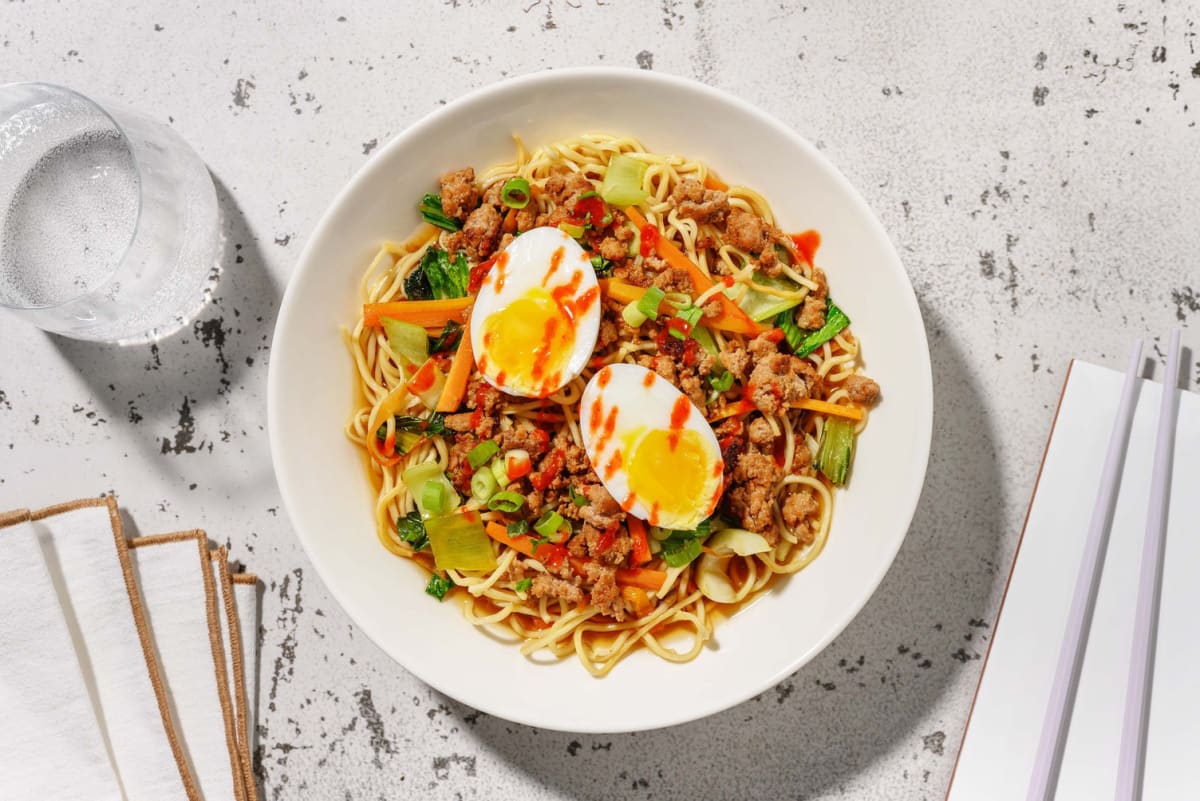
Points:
x=529, y=341
x=667, y=473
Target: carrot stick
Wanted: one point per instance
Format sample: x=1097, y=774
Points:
x=732, y=410
x=825, y=407
x=731, y=317
x=642, y=577
x=641, y=545
x=500, y=534
x=460, y=372
x=713, y=182
x=637, y=598
x=620, y=290
x=427, y=313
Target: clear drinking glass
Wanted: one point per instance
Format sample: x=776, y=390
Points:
x=109, y=228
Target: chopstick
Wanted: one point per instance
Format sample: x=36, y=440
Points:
x=1132, y=761
x=1070, y=657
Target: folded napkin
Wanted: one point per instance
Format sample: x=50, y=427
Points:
x=122, y=672
x=1000, y=744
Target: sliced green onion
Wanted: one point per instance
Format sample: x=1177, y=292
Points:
x=635, y=244
x=517, y=528
x=433, y=497
x=836, y=450
x=507, y=502
x=677, y=300
x=479, y=455
x=690, y=315
x=432, y=213
x=648, y=303
x=458, y=542
x=500, y=471
x=602, y=266
x=515, y=193
x=571, y=229
x=577, y=498
x=524, y=585
x=418, y=477
x=722, y=382
x=483, y=485
x=438, y=586
x=622, y=184
x=632, y=315
x=705, y=338
x=548, y=524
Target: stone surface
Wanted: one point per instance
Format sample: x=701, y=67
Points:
x=1034, y=164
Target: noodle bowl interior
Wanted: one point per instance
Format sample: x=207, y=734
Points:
x=603, y=395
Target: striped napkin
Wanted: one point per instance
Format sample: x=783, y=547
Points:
x=126, y=665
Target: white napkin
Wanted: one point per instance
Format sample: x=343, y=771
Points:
x=245, y=592
x=45, y=704
x=127, y=669
x=177, y=585
x=238, y=611
x=84, y=588
x=1000, y=744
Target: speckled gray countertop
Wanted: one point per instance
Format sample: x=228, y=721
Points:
x=1034, y=163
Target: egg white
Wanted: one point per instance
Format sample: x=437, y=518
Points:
x=642, y=401
x=527, y=266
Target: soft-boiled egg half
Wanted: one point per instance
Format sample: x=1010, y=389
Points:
x=537, y=315
x=651, y=447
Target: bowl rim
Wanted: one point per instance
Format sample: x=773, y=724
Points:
x=922, y=383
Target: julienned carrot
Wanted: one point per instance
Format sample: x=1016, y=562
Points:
x=713, y=182
x=642, y=577
x=460, y=372
x=825, y=407
x=732, y=410
x=641, y=545
x=500, y=534
x=426, y=313
x=626, y=292
x=620, y=290
x=731, y=317
x=637, y=598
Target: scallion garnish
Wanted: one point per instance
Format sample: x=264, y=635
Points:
x=577, y=498
x=602, y=266
x=647, y=304
x=722, y=382
x=483, y=485
x=517, y=528
x=548, y=524
x=524, y=585
x=515, y=193
x=507, y=502
x=690, y=314
x=573, y=230
x=478, y=456
x=433, y=497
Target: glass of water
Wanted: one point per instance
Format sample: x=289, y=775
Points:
x=109, y=227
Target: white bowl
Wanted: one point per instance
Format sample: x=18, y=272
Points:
x=330, y=502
